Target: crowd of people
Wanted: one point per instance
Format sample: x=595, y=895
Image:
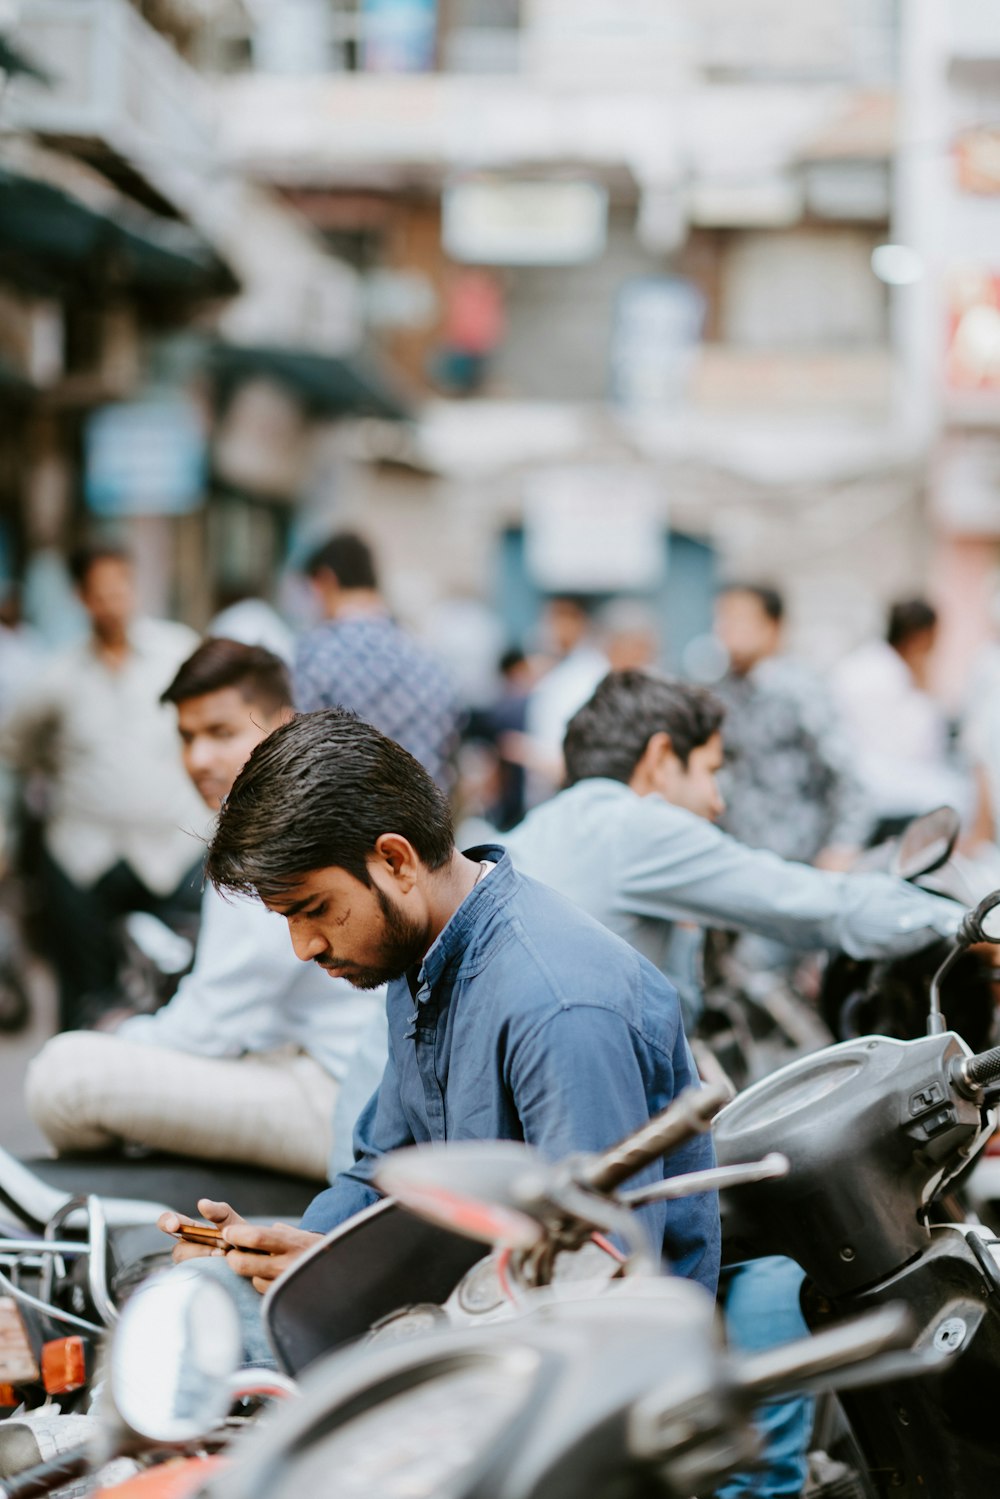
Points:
x=362, y=978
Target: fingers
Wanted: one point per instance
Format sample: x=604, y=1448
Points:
x=259, y=1267
x=171, y=1222
x=279, y=1238
x=219, y=1213
x=185, y=1251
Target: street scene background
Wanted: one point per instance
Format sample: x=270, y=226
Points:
x=608, y=300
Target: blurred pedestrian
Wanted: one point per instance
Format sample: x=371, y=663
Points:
x=123, y=826
x=899, y=732
x=251, y=1033
x=361, y=659
x=245, y=615
x=569, y=636
x=790, y=784
x=502, y=727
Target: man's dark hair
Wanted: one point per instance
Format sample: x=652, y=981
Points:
x=320, y=791
x=907, y=618
x=349, y=557
x=512, y=657
x=85, y=556
x=769, y=599
x=609, y=734
x=259, y=677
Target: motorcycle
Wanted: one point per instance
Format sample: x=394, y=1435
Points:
x=74, y=1244
x=877, y=1130
x=610, y=1381
x=171, y=1383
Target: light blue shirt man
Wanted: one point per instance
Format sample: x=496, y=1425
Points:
x=655, y=873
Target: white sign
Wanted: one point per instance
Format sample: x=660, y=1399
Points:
x=493, y=222
x=594, y=529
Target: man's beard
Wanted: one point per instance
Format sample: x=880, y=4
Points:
x=403, y=945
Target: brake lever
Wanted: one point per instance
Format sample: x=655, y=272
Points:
x=769, y=1168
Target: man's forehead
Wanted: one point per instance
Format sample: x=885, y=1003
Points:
x=303, y=888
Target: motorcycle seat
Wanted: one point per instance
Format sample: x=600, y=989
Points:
x=136, y=1189
x=180, y=1180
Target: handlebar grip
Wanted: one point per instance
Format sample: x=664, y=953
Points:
x=983, y=1069
x=42, y=1478
x=690, y=1114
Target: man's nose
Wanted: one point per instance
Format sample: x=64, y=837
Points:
x=199, y=754
x=307, y=942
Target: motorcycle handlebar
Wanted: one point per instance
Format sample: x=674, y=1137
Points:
x=690, y=1114
x=981, y=1070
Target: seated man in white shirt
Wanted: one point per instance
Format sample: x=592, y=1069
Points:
x=245, y=1062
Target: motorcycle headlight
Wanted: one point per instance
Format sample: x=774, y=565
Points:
x=421, y=1441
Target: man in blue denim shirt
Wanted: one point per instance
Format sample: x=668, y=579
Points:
x=512, y=1014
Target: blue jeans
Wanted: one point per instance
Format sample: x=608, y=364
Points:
x=761, y=1303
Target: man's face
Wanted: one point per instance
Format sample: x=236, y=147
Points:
x=744, y=628
x=218, y=732
x=108, y=595
x=694, y=786
x=358, y=932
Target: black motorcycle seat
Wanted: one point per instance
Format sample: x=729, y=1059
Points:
x=178, y=1181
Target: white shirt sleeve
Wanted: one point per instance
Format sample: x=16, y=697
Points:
x=232, y=1001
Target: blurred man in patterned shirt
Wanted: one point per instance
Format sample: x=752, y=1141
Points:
x=361, y=659
x=790, y=783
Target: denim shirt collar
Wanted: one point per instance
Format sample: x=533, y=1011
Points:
x=458, y=936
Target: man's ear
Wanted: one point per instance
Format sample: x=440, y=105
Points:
x=396, y=856
x=646, y=775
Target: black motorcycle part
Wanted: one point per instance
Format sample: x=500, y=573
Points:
x=41, y=1479
x=179, y=1181
x=933, y=1436
x=387, y=1257
x=848, y=1225
x=863, y=997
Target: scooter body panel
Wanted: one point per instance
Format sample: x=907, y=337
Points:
x=937, y=1435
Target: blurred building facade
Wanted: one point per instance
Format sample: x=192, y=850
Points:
x=620, y=253
x=631, y=239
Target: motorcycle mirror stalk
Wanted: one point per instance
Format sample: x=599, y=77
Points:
x=979, y=925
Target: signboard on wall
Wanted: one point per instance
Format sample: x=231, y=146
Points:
x=494, y=221
x=145, y=458
x=400, y=36
x=594, y=529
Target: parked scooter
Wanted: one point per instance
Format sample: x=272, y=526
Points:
x=171, y=1381
x=876, y=1129
x=617, y=1386
x=75, y=1242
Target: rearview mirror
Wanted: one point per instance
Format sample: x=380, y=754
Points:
x=468, y=1187
x=926, y=843
x=177, y=1344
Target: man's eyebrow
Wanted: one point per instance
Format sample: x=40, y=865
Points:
x=295, y=907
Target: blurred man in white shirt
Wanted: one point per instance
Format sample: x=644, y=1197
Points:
x=252, y=1035
x=123, y=829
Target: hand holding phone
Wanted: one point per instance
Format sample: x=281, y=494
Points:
x=202, y=1233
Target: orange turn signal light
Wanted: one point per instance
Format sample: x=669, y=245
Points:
x=8, y=1396
x=64, y=1365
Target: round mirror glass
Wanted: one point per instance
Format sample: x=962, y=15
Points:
x=926, y=843
x=470, y=1188
x=178, y=1342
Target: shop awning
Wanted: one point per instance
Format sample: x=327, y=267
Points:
x=47, y=232
x=350, y=385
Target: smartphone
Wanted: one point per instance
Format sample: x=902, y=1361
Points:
x=210, y=1236
x=202, y=1233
